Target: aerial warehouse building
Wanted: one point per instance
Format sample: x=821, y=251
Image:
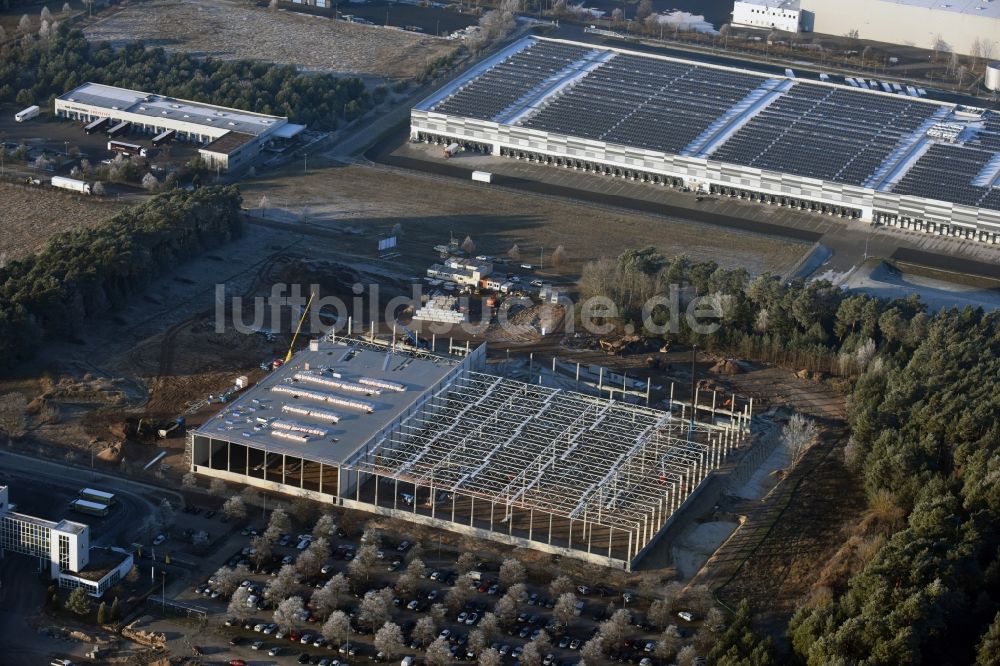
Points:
x=439, y=440
x=820, y=146
x=230, y=138
x=962, y=26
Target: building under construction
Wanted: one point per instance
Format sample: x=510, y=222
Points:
x=440, y=440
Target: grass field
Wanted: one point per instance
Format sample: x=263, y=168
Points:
x=30, y=216
x=232, y=30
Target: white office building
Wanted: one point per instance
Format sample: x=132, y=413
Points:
x=767, y=14
x=64, y=545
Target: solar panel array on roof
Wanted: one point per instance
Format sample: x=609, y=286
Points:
x=828, y=133
x=643, y=102
x=506, y=82
x=946, y=172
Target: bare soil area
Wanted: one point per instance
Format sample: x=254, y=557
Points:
x=30, y=216
x=358, y=204
x=232, y=30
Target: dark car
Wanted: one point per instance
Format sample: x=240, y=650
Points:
x=236, y=640
x=304, y=658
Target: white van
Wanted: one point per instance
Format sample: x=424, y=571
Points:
x=407, y=661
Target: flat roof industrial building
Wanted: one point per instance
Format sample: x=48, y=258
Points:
x=963, y=26
x=438, y=440
x=233, y=136
x=814, y=145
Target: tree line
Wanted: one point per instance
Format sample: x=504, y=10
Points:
x=811, y=325
x=85, y=272
x=38, y=72
x=925, y=441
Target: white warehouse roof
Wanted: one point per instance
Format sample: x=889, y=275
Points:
x=219, y=118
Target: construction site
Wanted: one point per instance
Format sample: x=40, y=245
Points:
x=440, y=440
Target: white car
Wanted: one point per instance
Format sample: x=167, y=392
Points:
x=160, y=538
x=686, y=616
x=252, y=601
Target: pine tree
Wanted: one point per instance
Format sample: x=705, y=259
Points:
x=102, y=613
x=115, y=610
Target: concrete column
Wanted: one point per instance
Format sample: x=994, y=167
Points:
x=453, y=507
x=531, y=512
x=395, y=494
x=472, y=510
x=550, y=529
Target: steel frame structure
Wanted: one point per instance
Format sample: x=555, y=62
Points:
x=618, y=467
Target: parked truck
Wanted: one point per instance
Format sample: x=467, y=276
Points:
x=451, y=150
x=73, y=184
x=482, y=176
x=27, y=114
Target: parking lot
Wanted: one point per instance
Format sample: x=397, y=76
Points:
x=470, y=604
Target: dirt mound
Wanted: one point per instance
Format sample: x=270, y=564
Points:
x=727, y=367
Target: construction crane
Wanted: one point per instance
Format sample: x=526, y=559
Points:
x=291, y=347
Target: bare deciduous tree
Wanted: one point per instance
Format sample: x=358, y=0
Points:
x=234, y=508
x=514, y=253
x=798, y=435
x=559, y=257
x=13, y=415
x=337, y=627
x=565, y=608
x=288, y=613
x=373, y=610
x=438, y=653
x=466, y=562
x=279, y=523
x=364, y=561
x=512, y=572
x=24, y=25
x=389, y=639
x=326, y=526
x=323, y=601
x=425, y=631
x=490, y=657
x=238, y=607
x=469, y=246
x=686, y=656
x=281, y=585
x=560, y=585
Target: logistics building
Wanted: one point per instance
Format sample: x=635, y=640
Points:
x=439, y=440
x=64, y=545
x=812, y=145
x=233, y=138
x=922, y=23
x=767, y=14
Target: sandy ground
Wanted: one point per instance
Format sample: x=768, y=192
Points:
x=357, y=204
x=884, y=282
x=232, y=30
x=30, y=216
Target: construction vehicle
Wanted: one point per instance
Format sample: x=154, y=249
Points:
x=171, y=428
x=617, y=346
x=291, y=347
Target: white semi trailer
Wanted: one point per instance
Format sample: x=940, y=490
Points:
x=73, y=184
x=27, y=114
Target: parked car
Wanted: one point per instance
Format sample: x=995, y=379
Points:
x=160, y=538
x=274, y=651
